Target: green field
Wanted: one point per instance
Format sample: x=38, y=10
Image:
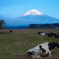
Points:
x=15, y=45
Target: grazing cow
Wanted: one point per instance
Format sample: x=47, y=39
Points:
x=51, y=34
x=10, y=31
x=57, y=36
x=42, y=50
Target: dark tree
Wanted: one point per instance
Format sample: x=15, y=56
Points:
x=2, y=24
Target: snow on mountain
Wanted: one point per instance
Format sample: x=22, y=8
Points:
x=32, y=12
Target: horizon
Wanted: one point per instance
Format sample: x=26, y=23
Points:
x=15, y=8
x=36, y=26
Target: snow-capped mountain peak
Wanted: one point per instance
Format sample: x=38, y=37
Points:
x=32, y=12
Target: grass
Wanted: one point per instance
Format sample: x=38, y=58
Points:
x=15, y=45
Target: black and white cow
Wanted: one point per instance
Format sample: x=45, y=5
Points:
x=42, y=50
x=51, y=34
x=10, y=31
x=42, y=33
x=57, y=36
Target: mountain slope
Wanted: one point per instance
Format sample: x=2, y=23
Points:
x=36, y=17
x=31, y=17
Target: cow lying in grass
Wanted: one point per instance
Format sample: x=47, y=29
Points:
x=51, y=34
x=42, y=33
x=10, y=31
x=57, y=36
x=42, y=50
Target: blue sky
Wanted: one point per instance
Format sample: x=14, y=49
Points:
x=15, y=8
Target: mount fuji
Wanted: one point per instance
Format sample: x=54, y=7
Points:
x=36, y=17
x=31, y=17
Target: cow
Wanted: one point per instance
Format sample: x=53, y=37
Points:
x=42, y=33
x=57, y=36
x=10, y=31
x=43, y=49
x=51, y=34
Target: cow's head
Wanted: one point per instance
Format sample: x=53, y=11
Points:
x=31, y=53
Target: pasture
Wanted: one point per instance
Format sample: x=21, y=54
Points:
x=15, y=45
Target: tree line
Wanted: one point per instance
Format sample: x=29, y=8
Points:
x=44, y=26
